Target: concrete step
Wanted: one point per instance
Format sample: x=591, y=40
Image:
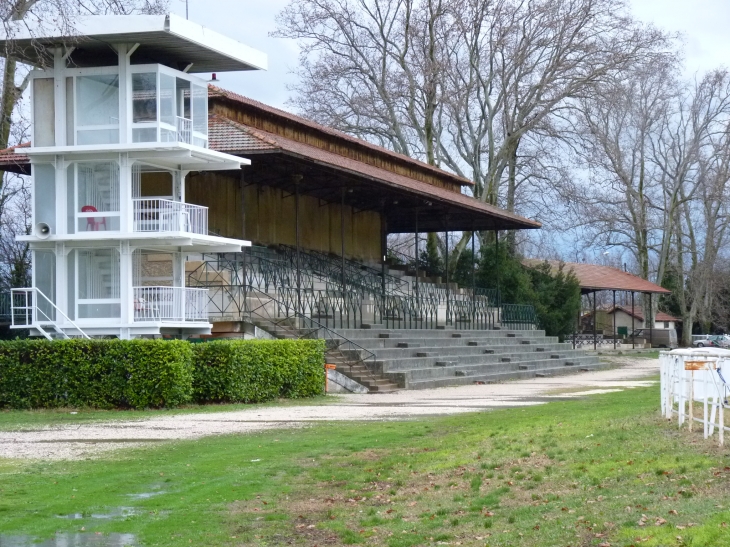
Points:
x=447, y=370
x=411, y=363
x=385, y=343
x=353, y=334
x=496, y=377
x=418, y=358
x=430, y=350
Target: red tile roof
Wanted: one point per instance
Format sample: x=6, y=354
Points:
x=639, y=314
x=217, y=92
x=11, y=161
x=605, y=278
x=235, y=138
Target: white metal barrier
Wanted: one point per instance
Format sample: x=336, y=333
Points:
x=170, y=304
x=164, y=215
x=29, y=307
x=689, y=376
x=184, y=130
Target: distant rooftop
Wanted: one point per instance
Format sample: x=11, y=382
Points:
x=166, y=39
x=593, y=277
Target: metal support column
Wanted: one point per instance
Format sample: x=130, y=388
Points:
x=297, y=178
x=473, y=278
x=595, y=320
x=496, y=262
x=342, y=239
x=576, y=327
x=384, y=252
x=245, y=283
x=496, y=255
x=650, y=317
x=633, y=328
x=614, y=319
x=448, y=291
x=415, y=255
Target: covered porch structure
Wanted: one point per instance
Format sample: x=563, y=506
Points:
x=595, y=279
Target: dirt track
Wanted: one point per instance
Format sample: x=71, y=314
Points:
x=87, y=440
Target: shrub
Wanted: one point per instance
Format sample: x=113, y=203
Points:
x=554, y=293
x=253, y=371
x=156, y=373
x=95, y=373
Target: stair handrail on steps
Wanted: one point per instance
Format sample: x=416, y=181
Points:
x=35, y=309
x=356, y=354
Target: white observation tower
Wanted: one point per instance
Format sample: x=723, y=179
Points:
x=118, y=122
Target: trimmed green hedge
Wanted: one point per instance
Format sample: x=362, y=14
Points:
x=156, y=373
x=253, y=371
x=95, y=373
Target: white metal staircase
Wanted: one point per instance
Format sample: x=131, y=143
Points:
x=30, y=308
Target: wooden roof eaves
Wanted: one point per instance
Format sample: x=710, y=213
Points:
x=330, y=134
x=513, y=221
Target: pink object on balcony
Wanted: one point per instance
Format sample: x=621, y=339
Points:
x=93, y=223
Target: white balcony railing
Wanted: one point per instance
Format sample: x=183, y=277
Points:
x=184, y=130
x=164, y=215
x=170, y=304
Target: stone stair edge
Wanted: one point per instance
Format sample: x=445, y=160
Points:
x=550, y=363
x=495, y=378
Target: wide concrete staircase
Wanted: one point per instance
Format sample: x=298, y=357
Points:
x=420, y=359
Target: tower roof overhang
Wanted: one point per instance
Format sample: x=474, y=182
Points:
x=165, y=39
x=172, y=155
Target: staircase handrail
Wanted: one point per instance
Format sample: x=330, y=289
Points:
x=37, y=309
x=314, y=330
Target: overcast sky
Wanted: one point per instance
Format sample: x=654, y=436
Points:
x=703, y=23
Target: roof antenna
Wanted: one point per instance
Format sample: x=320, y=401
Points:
x=186, y=10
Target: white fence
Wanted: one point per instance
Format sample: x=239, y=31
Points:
x=164, y=215
x=690, y=376
x=170, y=304
x=184, y=130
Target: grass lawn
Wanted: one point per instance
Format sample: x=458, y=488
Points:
x=602, y=471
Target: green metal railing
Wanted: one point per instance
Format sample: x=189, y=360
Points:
x=315, y=290
x=519, y=316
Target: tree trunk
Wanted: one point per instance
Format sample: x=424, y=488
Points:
x=8, y=99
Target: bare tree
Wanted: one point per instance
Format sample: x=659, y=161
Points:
x=15, y=220
x=614, y=131
x=654, y=149
x=470, y=79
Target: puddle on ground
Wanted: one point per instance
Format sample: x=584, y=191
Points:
x=71, y=540
x=115, y=513
x=145, y=495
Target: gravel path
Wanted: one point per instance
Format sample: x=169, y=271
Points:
x=88, y=440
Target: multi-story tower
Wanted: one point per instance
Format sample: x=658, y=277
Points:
x=118, y=123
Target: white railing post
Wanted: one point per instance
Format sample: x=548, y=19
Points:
x=184, y=130
x=164, y=215
x=170, y=304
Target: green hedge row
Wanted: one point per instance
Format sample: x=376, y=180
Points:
x=252, y=371
x=156, y=373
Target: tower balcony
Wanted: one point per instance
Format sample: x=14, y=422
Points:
x=149, y=216
x=164, y=215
